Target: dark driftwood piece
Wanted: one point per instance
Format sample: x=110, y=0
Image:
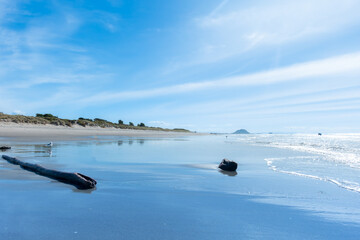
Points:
x=78, y=180
x=228, y=165
x=3, y=148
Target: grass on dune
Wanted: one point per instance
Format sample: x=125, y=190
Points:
x=84, y=122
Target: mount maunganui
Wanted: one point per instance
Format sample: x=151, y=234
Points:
x=241, y=131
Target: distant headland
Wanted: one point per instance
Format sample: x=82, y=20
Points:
x=241, y=131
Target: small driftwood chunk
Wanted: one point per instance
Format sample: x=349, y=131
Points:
x=228, y=165
x=78, y=180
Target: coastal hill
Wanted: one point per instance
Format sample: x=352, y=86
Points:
x=241, y=131
x=84, y=122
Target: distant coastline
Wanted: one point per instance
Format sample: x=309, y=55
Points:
x=49, y=119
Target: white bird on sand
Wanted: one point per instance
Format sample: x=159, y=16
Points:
x=49, y=144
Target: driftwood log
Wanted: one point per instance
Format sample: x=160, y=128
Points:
x=78, y=180
x=3, y=148
x=228, y=165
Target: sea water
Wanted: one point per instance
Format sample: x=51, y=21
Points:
x=171, y=188
x=330, y=157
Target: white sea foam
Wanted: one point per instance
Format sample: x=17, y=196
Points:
x=334, y=158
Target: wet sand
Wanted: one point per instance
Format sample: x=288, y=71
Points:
x=168, y=188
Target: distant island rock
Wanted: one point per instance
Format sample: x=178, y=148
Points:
x=241, y=131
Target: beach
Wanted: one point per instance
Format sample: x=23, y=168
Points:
x=117, y=118
x=168, y=186
x=34, y=132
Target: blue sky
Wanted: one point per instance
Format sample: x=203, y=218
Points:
x=205, y=65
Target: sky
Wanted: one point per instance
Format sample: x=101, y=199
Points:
x=205, y=65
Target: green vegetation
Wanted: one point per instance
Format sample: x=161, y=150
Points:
x=48, y=118
x=180, y=130
x=87, y=119
x=55, y=120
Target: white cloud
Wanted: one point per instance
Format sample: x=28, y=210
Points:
x=108, y=20
x=283, y=20
x=160, y=124
x=237, y=29
x=55, y=77
x=349, y=63
x=218, y=8
x=292, y=100
x=18, y=112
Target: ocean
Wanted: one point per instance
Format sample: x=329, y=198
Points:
x=290, y=186
x=331, y=157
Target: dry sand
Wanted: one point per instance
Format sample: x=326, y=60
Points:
x=34, y=132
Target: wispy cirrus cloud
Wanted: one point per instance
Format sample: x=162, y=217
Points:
x=233, y=28
x=281, y=19
x=271, y=102
x=45, y=42
x=349, y=63
x=37, y=49
x=238, y=60
x=109, y=21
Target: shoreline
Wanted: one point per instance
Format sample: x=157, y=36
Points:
x=33, y=132
x=165, y=196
